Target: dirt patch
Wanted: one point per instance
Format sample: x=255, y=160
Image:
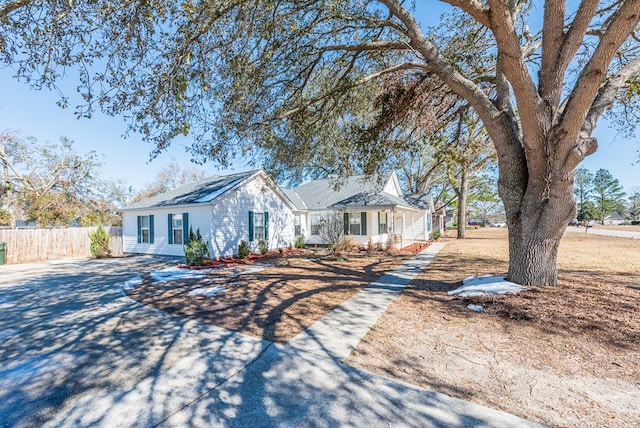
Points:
x=276, y=303
x=564, y=356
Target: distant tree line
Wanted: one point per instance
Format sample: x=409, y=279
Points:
x=600, y=194
x=50, y=184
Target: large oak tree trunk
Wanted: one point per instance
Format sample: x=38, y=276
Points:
x=536, y=221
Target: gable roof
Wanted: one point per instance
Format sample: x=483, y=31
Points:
x=200, y=192
x=295, y=199
x=422, y=201
x=356, y=191
x=614, y=216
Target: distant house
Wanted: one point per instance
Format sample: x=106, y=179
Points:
x=372, y=209
x=614, y=219
x=250, y=206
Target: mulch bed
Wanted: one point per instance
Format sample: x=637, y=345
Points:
x=277, y=303
x=236, y=261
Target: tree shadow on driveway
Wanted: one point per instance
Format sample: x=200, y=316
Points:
x=77, y=352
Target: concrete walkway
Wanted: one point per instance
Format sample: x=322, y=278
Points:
x=304, y=383
x=77, y=352
x=340, y=331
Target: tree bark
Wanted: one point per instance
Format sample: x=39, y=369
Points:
x=536, y=224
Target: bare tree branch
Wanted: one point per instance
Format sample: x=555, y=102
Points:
x=595, y=71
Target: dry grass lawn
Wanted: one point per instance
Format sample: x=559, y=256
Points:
x=276, y=303
x=563, y=356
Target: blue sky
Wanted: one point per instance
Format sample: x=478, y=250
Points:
x=36, y=114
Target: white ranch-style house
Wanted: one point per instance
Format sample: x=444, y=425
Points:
x=250, y=206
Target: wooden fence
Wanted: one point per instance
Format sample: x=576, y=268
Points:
x=34, y=245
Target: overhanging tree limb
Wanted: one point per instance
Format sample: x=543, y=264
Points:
x=624, y=21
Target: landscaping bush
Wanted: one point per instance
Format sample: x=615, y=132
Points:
x=196, y=251
x=263, y=247
x=99, y=243
x=243, y=249
x=347, y=244
x=299, y=241
x=435, y=235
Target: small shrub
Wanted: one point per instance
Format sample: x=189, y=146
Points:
x=280, y=250
x=370, y=247
x=99, y=243
x=435, y=235
x=196, y=251
x=263, y=247
x=389, y=244
x=299, y=241
x=347, y=244
x=243, y=249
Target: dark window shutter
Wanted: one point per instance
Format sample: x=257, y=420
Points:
x=266, y=226
x=151, y=229
x=363, y=220
x=170, y=221
x=346, y=223
x=185, y=228
x=139, y=229
x=250, y=226
x=379, y=231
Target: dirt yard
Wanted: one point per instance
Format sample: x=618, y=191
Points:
x=564, y=356
x=276, y=303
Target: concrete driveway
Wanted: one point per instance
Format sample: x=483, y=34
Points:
x=77, y=352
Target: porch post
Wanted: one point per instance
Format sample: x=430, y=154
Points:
x=404, y=227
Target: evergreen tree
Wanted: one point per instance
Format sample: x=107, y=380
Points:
x=608, y=193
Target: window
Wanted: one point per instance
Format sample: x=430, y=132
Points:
x=258, y=226
x=178, y=228
x=355, y=226
x=297, y=225
x=315, y=224
x=382, y=223
x=355, y=223
x=145, y=229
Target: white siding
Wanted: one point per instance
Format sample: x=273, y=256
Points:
x=198, y=218
x=393, y=186
x=316, y=239
x=230, y=218
x=372, y=229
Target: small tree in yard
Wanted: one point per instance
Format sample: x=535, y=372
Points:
x=331, y=228
x=99, y=243
x=196, y=251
